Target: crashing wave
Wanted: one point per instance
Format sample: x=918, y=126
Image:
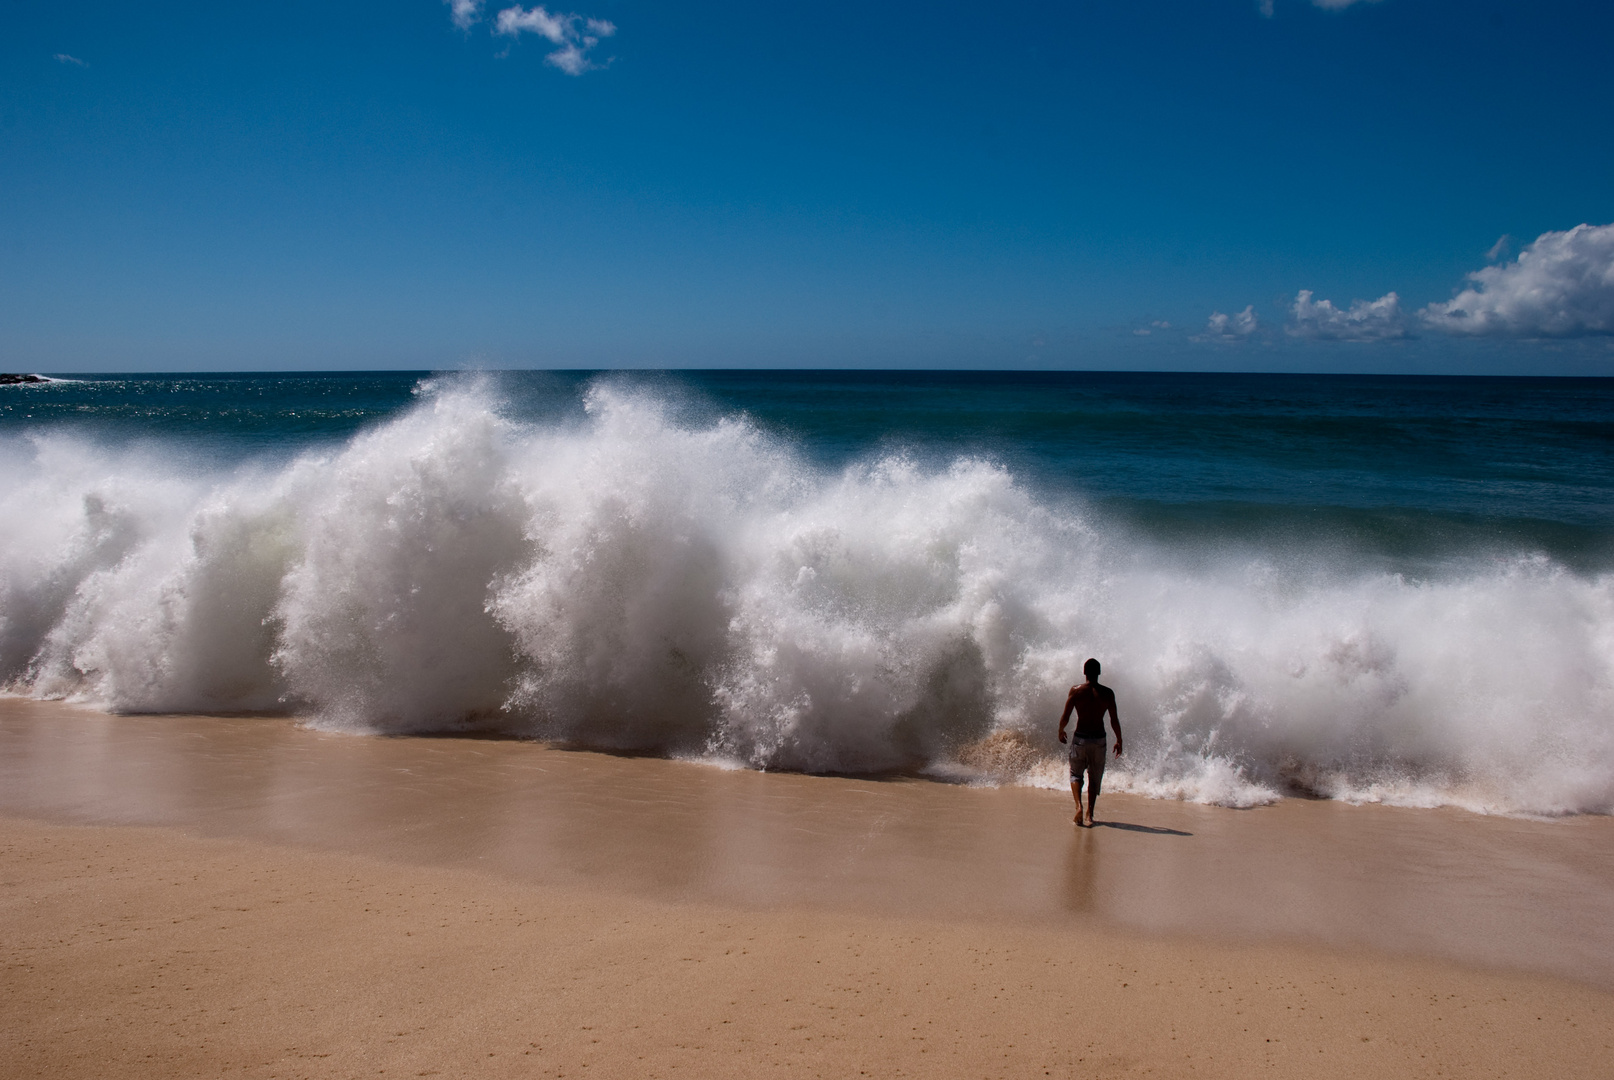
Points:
x=636, y=582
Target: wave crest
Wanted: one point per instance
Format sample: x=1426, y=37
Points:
x=629, y=581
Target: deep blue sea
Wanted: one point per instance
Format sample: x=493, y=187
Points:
x=1373, y=588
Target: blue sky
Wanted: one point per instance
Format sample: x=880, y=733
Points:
x=1147, y=184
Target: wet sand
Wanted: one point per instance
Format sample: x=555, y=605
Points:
x=416, y=905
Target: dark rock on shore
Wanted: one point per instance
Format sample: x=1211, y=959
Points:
x=7, y=379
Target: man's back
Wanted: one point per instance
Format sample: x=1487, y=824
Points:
x=1091, y=701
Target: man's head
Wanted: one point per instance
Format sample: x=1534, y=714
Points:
x=1091, y=669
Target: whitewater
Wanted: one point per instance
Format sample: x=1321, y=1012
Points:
x=634, y=579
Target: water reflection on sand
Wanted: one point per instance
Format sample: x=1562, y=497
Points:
x=1524, y=894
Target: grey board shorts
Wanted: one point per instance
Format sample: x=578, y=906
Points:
x=1087, y=756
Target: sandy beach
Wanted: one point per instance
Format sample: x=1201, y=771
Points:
x=187, y=896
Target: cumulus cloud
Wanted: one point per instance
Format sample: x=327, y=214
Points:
x=556, y=28
x=1364, y=320
x=63, y=58
x=1561, y=285
x=465, y=13
x=574, y=34
x=1231, y=328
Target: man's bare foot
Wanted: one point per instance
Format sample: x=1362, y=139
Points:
x=1090, y=819
x=1078, y=817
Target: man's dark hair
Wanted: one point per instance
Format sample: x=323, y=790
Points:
x=1090, y=669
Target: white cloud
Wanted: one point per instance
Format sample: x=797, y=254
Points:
x=569, y=59
x=1230, y=328
x=556, y=28
x=465, y=13
x=1364, y=320
x=63, y=58
x=563, y=30
x=1562, y=285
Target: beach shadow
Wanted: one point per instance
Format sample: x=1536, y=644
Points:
x=1139, y=828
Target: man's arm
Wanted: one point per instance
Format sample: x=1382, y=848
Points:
x=1115, y=722
x=1064, y=717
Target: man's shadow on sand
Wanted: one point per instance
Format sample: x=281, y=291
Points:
x=1138, y=828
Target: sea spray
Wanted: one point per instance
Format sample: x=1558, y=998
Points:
x=633, y=579
x=383, y=622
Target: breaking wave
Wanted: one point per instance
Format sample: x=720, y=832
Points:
x=631, y=580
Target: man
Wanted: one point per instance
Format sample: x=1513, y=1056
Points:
x=1090, y=701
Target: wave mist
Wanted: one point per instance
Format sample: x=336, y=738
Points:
x=632, y=581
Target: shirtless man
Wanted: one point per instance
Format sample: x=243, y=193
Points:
x=1090, y=701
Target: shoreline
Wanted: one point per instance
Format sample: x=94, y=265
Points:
x=1487, y=892
x=188, y=896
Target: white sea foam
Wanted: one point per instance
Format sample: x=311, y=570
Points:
x=631, y=581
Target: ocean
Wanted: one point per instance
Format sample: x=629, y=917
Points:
x=1374, y=589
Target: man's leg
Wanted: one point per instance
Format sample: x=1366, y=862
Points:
x=1076, y=786
x=1095, y=777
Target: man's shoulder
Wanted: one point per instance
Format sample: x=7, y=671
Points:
x=1104, y=692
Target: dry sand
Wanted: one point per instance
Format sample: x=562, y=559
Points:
x=316, y=905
